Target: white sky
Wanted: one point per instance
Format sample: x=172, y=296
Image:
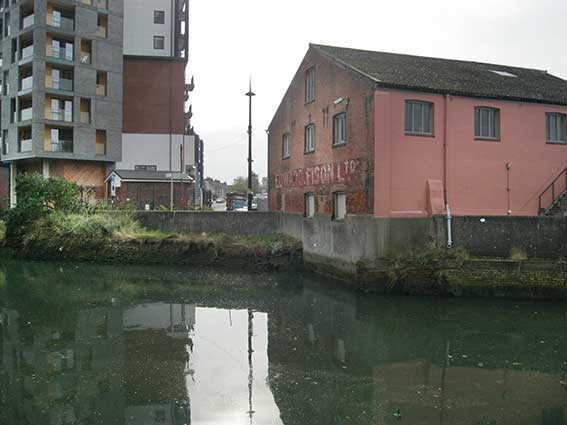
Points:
x=233, y=39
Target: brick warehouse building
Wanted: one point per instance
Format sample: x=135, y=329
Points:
x=361, y=132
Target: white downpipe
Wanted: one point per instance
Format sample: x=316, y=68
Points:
x=449, y=231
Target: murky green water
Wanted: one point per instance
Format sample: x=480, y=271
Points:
x=108, y=345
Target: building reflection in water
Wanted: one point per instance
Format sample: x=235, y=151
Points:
x=98, y=366
x=338, y=357
x=315, y=356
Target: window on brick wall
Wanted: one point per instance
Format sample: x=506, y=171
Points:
x=339, y=129
x=309, y=205
x=339, y=205
x=419, y=118
x=286, y=149
x=487, y=123
x=555, y=128
x=310, y=85
x=310, y=138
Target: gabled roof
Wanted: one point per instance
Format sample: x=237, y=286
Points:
x=148, y=176
x=455, y=77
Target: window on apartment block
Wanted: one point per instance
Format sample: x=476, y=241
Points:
x=100, y=142
x=286, y=149
x=419, y=117
x=159, y=17
x=310, y=85
x=5, y=145
x=309, y=205
x=555, y=125
x=310, y=138
x=487, y=123
x=339, y=129
x=339, y=205
x=159, y=42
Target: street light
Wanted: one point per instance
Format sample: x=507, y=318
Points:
x=250, y=94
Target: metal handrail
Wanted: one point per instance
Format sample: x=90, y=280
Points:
x=554, y=195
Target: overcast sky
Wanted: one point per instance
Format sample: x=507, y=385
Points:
x=267, y=39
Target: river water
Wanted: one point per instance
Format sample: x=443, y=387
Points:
x=84, y=344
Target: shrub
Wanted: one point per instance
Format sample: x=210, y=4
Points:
x=518, y=254
x=37, y=197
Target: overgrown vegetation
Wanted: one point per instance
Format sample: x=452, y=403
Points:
x=50, y=222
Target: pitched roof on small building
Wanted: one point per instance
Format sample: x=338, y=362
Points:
x=461, y=78
x=148, y=176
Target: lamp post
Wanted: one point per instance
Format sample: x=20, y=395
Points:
x=250, y=94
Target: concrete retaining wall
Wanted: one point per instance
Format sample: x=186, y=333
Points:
x=211, y=222
x=367, y=239
x=538, y=237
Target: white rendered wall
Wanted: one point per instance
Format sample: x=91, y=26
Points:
x=139, y=27
x=153, y=149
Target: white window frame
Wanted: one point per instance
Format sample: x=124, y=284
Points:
x=309, y=138
x=339, y=206
x=487, y=123
x=309, y=205
x=310, y=79
x=286, y=146
x=555, y=128
x=340, y=129
x=419, y=117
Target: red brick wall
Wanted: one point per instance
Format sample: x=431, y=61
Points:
x=155, y=194
x=147, y=84
x=301, y=172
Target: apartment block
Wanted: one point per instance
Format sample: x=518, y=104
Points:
x=62, y=88
x=155, y=89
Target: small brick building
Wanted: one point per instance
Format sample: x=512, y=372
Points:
x=150, y=189
x=391, y=135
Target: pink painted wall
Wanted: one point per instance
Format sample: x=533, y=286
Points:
x=476, y=170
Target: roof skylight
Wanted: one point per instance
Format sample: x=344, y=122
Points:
x=503, y=73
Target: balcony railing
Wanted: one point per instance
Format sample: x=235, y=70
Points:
x=101, y=32
x=26, y=145
x=65, y=53
x=62, y=146
x=61, y=115
x=85, y=57
x=63, y=23
x=26, y=83
x=62, y=84
x=86, y=117
x=28, y=21
x=26, y=114
x=101, y=89
x=27, y=52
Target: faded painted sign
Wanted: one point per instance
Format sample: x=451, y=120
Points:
x=337, y=173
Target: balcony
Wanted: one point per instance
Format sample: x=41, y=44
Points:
x=26, y=145
x=62, y=84
x=66, y=24
x=65, y=146
x=26, y=83
x=65, y=53
x=27, y=52
x=61, y=115
x=101, y=31
x=28, y=21
x=26, y=114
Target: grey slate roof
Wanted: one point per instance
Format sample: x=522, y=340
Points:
x=451, y=76
x=147, y=175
